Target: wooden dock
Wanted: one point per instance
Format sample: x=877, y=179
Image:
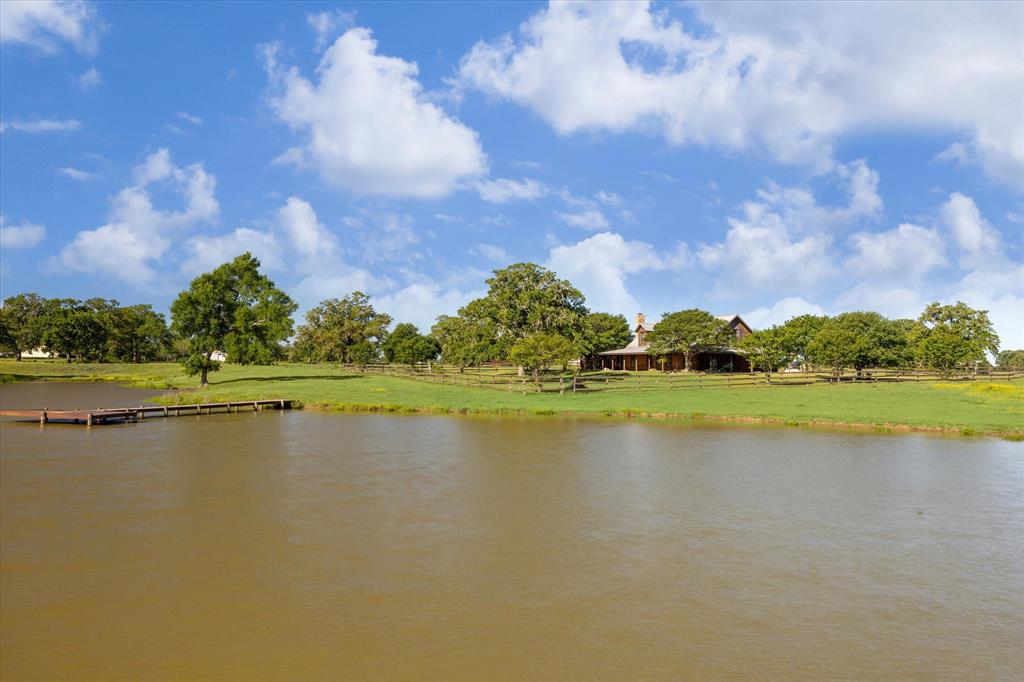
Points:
x=133, y=414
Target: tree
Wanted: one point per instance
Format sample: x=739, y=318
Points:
x=1010, y=359
x=406, y=345
x=944, y=350
x=860, y=340
x=797, y=333
x=526, y=299
x=233, y=308
x=20, y=316
x=608, y=332
x=72, y=329
x=834, y=347
x=689, y=332
x=974, y=329
x=542, y=350
x=465, y=341
x=137, y=334
x=766, y=350
x=342, y=330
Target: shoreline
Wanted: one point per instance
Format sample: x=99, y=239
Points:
x=982, y=409
x=889, y=428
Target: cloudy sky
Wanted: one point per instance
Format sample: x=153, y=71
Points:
x=763, y=159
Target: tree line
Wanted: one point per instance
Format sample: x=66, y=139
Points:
x=529, y=317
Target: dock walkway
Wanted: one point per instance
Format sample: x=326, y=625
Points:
x=123, y=414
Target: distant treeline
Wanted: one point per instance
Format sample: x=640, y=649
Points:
x=528, y=317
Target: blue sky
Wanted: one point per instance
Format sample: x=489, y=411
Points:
x=764, y=159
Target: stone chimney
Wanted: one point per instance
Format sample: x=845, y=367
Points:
x=640, y=319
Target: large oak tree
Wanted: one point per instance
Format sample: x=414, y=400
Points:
x=235, y=309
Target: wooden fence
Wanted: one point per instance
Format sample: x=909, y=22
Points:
x=504, y=378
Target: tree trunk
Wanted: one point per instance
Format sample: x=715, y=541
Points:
x=202, y=377
x=206, y=370
x=17, y=354
x=688, y=361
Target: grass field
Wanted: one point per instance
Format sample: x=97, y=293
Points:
x=990, y=408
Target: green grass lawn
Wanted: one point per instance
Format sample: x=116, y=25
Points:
x=995, y=408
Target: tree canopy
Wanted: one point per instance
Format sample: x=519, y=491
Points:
x=797, y=333
x=689, y=332
x=860, y=340
x=542, y=350
x=465, y=340
x=342, y=330
x=608, y=332
x=1010, y=359
x=962, y=335
x=236, y=309
x=20, y=319
x=766, y=349
x=526, y=299
x=406, y=345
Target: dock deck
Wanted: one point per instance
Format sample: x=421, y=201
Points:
x=123, y=414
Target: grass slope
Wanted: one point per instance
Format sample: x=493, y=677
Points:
x=995, y=408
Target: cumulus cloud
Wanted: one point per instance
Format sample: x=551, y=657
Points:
x=327, y=23
x=903, y=254
x=23, y=236
x=780, y=311
x=45, y=24
x=587, y=219
x=781, y=241
x=367, y=125
x=89, y=80
x=979, y=242
x=205, y=252
x=41, y=125
x=600, y=266
x=421, y=303
x=505, y=190
x=137, y=235
x=787, y=80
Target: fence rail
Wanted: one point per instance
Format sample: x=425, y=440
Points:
x=504, y=378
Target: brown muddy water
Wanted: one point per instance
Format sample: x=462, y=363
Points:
x=301, y=546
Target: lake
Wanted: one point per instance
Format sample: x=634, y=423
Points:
x=301, y=545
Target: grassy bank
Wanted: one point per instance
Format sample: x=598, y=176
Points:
x=992, y=408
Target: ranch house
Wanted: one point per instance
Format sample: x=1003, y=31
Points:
x=635, y=355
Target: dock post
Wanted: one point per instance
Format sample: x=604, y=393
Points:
x=282, y=404
x=88, y=420
x=42, y=418
x=165, y=411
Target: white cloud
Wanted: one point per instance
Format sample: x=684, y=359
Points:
x=205, y=252
x=76, y=174
x=781, y=242
x=23, y=236
x=314, y=243
x=600, y=265
x=903, y=254
x=89, y=80
x=189, y=118
x=978, y=241
x=42, y=125
x=326, y=24
x=44, y=24
x=490, y=252
x=504, y=190
x=588, y=219
x=137, y=235
x=788, y=80
x=367, y=125
x=782, y=310
x=421, y=303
